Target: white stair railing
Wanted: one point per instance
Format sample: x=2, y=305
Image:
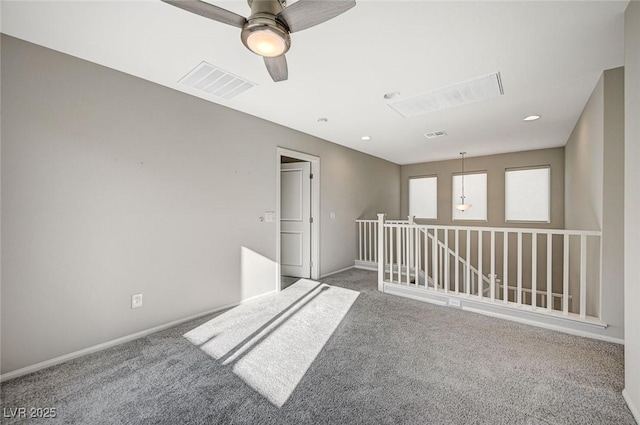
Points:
x=541, y=270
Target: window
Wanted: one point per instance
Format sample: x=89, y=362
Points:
x=475, y=193
x=423, y=197
x=526, y=194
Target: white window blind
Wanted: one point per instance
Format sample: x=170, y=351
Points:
x=423, y=197
x=527, y=194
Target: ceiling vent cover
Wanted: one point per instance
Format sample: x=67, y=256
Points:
x=435, y=134
x=215, y=81
x=451, y=96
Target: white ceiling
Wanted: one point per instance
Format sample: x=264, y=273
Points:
x=550, y=56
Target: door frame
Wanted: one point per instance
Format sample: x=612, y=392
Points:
x=315, y=210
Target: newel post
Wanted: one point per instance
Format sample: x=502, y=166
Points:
x=381, y=217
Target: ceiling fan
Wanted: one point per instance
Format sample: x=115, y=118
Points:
x=266, y=31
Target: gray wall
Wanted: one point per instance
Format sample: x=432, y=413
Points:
x=631, y=207
x=594, y=191
x=495, y=166
x=112, y=185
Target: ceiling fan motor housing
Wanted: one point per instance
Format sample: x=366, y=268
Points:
x=263, y=19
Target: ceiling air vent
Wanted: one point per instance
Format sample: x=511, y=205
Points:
x=435, y=134
x=451, y=96
x=215, y=81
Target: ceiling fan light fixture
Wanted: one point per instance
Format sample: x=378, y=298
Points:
x=268, y=40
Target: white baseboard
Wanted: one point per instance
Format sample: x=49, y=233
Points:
x=366, y=265
x=336, y=272
x=634, y=409
x=95, y=348
x=409, y=292
x=556, y=323
x=539, y=324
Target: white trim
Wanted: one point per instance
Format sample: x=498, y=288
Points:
x=315, y=210
x=442, y=299
x=109, y=344
x=366, y=265
x=336, y=272
x=634, y=409
x=409, y=292
x=546, y=325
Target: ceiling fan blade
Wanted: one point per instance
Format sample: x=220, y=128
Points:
x=209, y=11
x=304, y=14
x=277, y=68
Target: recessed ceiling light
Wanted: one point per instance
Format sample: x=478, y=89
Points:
x=365, y=138
x=531, y=118
x=392, y=95
x=323, y=120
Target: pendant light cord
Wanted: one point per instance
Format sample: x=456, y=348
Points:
x=462, y=197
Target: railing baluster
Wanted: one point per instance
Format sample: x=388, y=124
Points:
x=457, y=262
x=401, y=260
x=379, y=226
x=385, y=232
x=534, y=269
x=519, y=269
x=493, y=266
x=446, y=260
x=473, y=282
x=426, y=257
x=434, y=257
x=565, y=276
x=375, y=242
x=468, y=271
x=549, y=269
x=398, y=252
x=417, y=253
x=583, y=276
x=360, y=241
x=394, y=236
x=366, y=241
x=480, y=278
x=371, y=241
x=390, y=252
x=505, y=267
x=407, y=241
x=440, y=266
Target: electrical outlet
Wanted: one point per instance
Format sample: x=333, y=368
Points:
x=454, y=302
x=136, y=301
x=333, y=215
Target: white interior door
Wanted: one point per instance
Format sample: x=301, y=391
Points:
x=295, y=219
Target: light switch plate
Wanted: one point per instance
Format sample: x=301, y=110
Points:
x=269, y=216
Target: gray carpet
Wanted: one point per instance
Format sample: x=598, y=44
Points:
x=288, y=281
x=391, y=360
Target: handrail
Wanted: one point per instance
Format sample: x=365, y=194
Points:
x=460, y=259
x=500, y=229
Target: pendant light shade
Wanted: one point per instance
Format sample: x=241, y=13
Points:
x=462, y=206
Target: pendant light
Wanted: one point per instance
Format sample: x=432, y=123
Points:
x=462, y=206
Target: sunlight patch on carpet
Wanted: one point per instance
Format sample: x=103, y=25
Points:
x=272, y=341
